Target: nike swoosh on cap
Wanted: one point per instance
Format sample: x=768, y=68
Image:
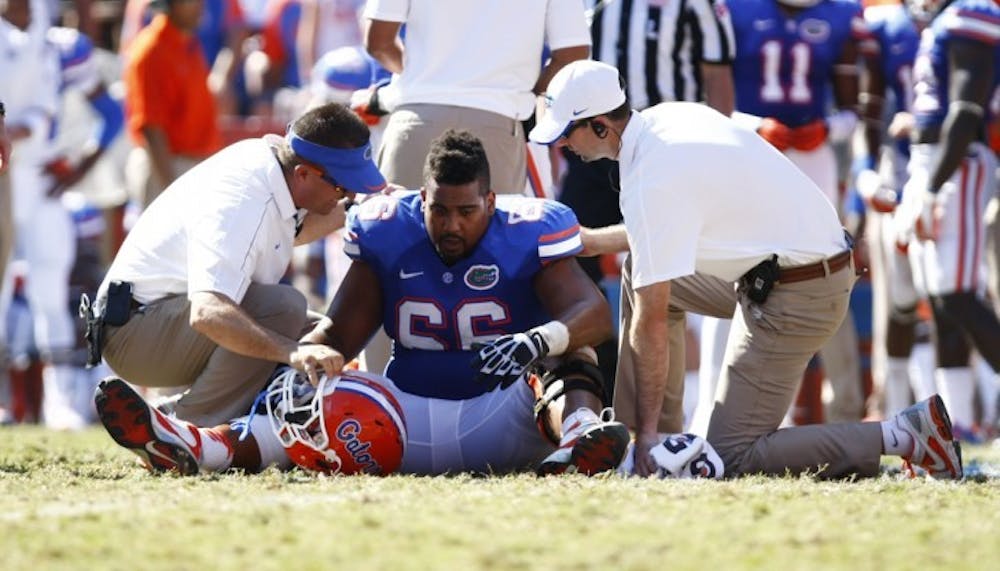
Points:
x=575, y=113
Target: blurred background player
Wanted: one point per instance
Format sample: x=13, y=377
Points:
x=77, y=150
x=221, y=31
x=43, y=230
x=952, y=177
x=171, y=114
x=792, y=55
x=295, y=36
x=887, y=102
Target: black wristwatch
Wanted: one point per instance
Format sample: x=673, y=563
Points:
x=3, y=110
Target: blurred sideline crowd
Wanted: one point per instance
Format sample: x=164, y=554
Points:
x=107, y=102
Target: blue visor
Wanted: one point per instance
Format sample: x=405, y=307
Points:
x=351, y=169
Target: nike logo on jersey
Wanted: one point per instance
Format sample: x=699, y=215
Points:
x=404, y=275
x=761, y=25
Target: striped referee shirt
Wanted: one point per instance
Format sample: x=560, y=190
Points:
x=658, y=45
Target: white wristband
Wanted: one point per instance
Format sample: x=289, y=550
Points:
x=556, y=335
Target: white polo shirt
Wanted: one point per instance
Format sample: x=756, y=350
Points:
x=225, y=223
x=701, y=194
x=483, y=55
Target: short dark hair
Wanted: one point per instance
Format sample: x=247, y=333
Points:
x=621, y=112
x=625, y=109
x=331, y=125
x=457, y=157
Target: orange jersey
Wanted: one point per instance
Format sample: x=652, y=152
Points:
x=166, y=81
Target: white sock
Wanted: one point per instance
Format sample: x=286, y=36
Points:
x=897, y=385
x=690, y=401
x=922, y=371
x=581, y=416
x=217, y=454
x=895, y=440
x=957, y=388
x=268, y=444
x=987, y=382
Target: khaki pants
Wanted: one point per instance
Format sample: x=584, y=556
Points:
x=158, y=348
x=411, y=128
x=768, y=348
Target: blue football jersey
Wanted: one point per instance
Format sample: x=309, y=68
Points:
x=968, y=20
x=898, y=39
x=784, y=65
x=76, y=64
x=434, y=312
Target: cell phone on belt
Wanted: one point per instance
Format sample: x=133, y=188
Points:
x=118, y=306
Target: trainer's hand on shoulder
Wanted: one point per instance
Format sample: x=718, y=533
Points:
x=311, y=359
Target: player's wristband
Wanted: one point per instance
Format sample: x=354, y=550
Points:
x=556, y=335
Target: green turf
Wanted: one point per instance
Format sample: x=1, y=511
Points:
x=76, y=501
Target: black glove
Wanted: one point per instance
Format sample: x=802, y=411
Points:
x=506, y=358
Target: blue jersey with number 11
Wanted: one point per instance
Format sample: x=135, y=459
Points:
x=784, y=64
x=434, y=312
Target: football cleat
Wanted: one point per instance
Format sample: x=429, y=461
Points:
x=935, y=449
x=162, y=443
x=590, y=446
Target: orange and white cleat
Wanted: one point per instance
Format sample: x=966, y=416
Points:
x=590, y=446
x=163, y=444
x=935, y=449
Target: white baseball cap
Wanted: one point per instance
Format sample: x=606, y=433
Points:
x=581, y=89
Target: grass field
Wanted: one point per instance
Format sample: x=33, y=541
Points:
x=76, y=501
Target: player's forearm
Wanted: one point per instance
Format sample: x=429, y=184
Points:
x=559, y=59
x=648, y=337
x=382, y=43
x=589, y=323
x=957, y=133
x=160, y=158
x=607, y=240
x=223, y=321
x=719, y=90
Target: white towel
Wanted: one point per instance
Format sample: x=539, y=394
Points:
x=679, y=456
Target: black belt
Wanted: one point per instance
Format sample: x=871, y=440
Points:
x=819, y=269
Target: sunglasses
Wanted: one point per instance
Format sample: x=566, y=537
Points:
x=323, y=175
